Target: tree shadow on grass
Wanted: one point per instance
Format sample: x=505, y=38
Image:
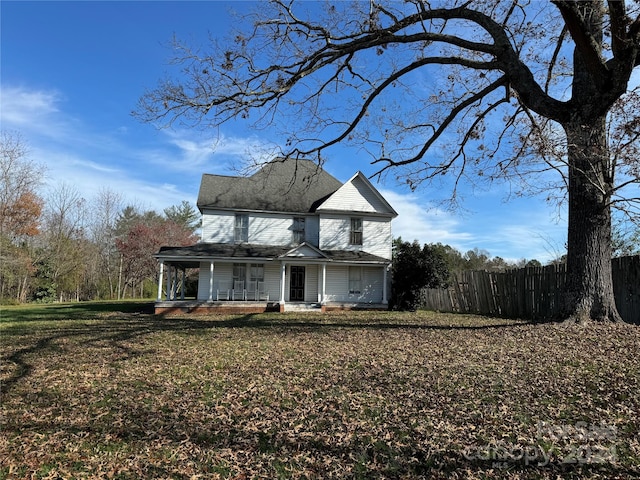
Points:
x=99, y=323
x=72, y=311
x=145, y=424
x=199, y=442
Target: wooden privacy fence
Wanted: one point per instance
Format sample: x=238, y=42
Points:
x=531, y=293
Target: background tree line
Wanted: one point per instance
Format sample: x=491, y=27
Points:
x=56, y=245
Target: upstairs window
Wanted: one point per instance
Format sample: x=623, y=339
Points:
x=355, y=237
x=241, y=232
x=298, y=230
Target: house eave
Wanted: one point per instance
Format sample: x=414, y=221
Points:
x=360, y=213
x=202, y=208
x=362, y=262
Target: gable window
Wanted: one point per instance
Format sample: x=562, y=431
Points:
x=241, y=231
x=298, y=230
x=355, y=237
x=355, y=279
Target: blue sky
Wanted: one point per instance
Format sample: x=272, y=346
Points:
x=71, y=73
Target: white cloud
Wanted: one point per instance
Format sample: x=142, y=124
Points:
x=416, y=222
x=91, y=166
x=244, y=151
x=192, y=151
x=72, y=152
x=535, y=240
x=512, y=232
x=30, y=110
x=88, y=178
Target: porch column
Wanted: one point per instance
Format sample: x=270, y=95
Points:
x=211, y=281
x=174, y=284
x=384, y=285
x=160, y=278
x=184, y=283
x=283, y=272
x=168, y=297
x=323, y=284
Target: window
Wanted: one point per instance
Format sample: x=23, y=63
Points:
x=355, y=279
x=256, y=274
x=239, y=272
x=356, y=231
x=239, y=281
x=241, y=232
x=298, y=230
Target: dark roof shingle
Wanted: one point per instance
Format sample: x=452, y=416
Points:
x=280, y=186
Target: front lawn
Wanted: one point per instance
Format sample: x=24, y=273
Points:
x=122, y=394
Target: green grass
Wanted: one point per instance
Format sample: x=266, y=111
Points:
x=71, y=311
x=106, y=390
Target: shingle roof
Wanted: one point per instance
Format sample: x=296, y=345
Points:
x=281, y=185
x=248, y=251
x=224, y=250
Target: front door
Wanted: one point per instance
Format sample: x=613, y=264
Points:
x=296, y=288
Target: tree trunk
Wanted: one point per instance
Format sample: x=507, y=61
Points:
x=589, y=289
x=22, y=291
x=120, y=278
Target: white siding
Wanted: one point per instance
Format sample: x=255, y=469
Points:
x=311, y=283
x=222, y=278
x=217, y=226
x=337, y=288
x=312, y=230
x=355, y=196
x=376, y=237
x=272, y=280
x=334, y=232
x=203, y=282
x=376, y=234
x=373, y=278
x=264, y=228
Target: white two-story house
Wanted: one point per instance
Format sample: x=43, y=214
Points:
x=291, y=234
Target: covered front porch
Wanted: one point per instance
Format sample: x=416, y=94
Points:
x=256, y=279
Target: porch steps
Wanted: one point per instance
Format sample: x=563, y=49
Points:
x=302, y=307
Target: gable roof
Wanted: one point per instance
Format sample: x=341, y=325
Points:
x=358, y=195
x=283, y=185
x=305, y=250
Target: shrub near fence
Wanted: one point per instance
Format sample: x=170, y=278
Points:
x=532, y=293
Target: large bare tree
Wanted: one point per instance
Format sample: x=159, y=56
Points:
x=441, y=91
x=20, y=215
x=20, y=178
